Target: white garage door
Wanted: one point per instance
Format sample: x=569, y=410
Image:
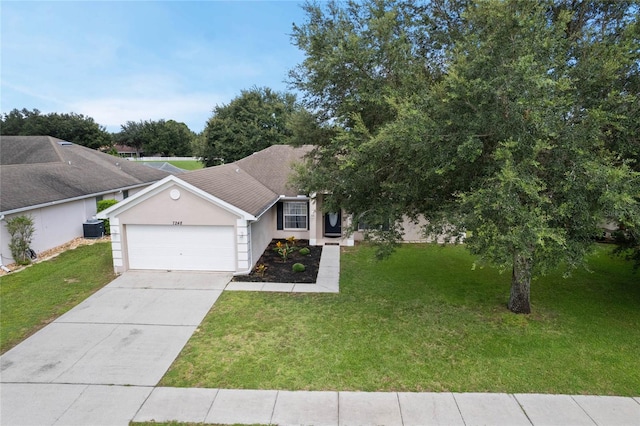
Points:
x=181, y=248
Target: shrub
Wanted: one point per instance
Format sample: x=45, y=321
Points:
x=103, y=205
x=298, y=267
x=284, y=250
x=305, y=251
x=21, y=230
x=261, y=269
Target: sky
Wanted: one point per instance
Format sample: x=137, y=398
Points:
x=119, y=61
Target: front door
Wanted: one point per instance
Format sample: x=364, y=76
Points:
x=332, y=225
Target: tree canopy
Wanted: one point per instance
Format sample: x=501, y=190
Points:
x=70, y=127
x=514, y=122
x=255, y=120
x=167, y=138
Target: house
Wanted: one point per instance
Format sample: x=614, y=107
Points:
x=128, y=151
x=58, y=183
x=221, y=218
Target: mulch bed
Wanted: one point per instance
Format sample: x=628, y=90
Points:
x=279, y=271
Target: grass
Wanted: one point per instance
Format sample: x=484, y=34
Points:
x=423, y=320
x=34, y=297
x=185, y=164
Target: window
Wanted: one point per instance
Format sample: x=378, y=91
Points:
x=125, y=194
x=295, y=214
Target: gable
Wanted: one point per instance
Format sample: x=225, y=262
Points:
x=166, y=195
x=174, y=204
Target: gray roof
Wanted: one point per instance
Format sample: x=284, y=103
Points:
x=167, y=167
x=37, y=170
x=254, y=183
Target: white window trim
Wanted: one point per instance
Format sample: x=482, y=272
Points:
x=284, y=215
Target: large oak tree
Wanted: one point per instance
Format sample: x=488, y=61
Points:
x=515, y=121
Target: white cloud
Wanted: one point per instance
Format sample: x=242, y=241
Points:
x=193, y=110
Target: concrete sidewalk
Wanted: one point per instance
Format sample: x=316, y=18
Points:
x=100, y=362
x=232, y=406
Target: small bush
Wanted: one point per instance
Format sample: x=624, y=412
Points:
x=284, y=250
x=261, y=269
x=103, y=205
x=305, y=251
x=298, y=267
x=21, y=230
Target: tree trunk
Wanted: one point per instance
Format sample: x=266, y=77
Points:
x=520, y=284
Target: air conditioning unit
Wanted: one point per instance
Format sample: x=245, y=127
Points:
x=93, y=228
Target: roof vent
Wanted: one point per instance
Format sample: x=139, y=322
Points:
x=64, y=143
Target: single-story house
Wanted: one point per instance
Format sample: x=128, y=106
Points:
x=128, y=151
x=58, y=183
x=222, y=218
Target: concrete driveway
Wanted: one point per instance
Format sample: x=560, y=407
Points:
x=126, y=334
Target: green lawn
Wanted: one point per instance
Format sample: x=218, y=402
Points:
x=185, y=165
x=34, y=297
x=423, y=320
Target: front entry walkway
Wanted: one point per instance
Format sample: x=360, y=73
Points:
x=327, y=281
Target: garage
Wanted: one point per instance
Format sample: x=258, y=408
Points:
x=181, y=248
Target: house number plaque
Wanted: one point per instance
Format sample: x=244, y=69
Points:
x=177, y=223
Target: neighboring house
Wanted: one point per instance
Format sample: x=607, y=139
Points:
x=58, y=183
x=221, y=218
x=128, y=151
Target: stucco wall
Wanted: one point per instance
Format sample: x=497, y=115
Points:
x=262, y=234
x=300, y=234
x=54, y=225
x=412, y=233
x=190, y=209
x=162, y=209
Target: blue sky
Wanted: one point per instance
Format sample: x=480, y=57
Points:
x=140, y=60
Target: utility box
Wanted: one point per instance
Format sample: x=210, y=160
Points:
x=93, y=228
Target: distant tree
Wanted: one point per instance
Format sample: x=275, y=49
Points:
x=253, y=121
x=131, y=134
x=167, y=138
x=71, y=127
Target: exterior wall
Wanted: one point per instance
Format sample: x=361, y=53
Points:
x=54, y=225
x=412, y=233
x=261, y=235
x=316, y=217
x=300, y=234
x=57, y=224
x=188, y=209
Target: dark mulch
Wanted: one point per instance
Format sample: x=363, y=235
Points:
x=279, y=271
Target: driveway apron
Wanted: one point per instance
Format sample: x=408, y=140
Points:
x=126, y=334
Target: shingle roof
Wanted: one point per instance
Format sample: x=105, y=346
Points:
x=254, y=183
x=36, y=170
x=167, y=167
